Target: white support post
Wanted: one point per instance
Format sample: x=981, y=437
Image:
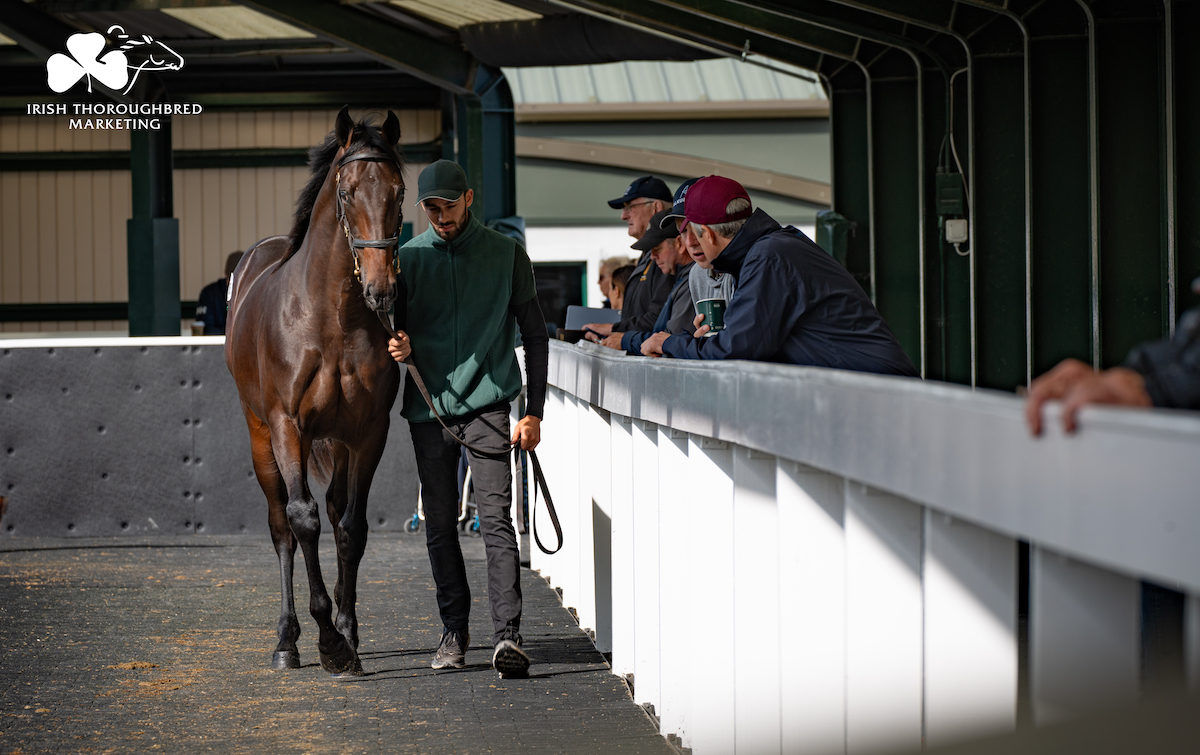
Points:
x=624, y=585
x=676, y=523
x=812, y=608
x=566, y=565
x=884, y=620
x=646, y=505
x=756, y=630
x=1084, y=637
x=599, y=461
x=970, y=631
x=711, y=591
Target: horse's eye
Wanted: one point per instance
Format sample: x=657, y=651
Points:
x=345, y=197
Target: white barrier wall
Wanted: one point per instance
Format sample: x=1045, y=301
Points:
x=794, y=559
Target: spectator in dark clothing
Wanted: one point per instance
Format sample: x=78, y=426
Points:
x=620, y=279
x=213, y=304
x=648, y=288
x=794, y=303
x=1164, y=374
x=677, y=315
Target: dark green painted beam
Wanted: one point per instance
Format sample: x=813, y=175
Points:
x=999, y=212
x=850, y=144
x=1060, y=220
x=1133, y=254
x=897, y=219
x=396, y=46
x=1186, y=53
x=189, y=159
x=152, y=236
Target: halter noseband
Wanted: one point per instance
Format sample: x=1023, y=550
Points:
x=355, y=243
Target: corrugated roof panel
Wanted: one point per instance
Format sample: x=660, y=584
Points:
x=757, y=83
x=574, y=84
x=236, y=22
x=611, y=82
x=457, y=13
x=6, y=41
x=646, y=80
x=720, y=81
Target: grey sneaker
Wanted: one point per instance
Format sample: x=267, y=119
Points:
x=510, y=660
x=452, y=652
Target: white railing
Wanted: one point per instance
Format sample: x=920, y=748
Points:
x=795, y=559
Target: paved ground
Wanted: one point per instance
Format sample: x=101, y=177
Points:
x=114, y=646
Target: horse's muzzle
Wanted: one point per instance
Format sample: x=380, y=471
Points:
x=380, y=298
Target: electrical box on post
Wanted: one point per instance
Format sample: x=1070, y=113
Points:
x=949, y=194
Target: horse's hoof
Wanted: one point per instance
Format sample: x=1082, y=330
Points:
x=342, y=661
x=285, y=659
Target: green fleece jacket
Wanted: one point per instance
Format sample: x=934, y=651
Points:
x=458, y=318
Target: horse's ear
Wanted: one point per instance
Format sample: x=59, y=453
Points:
x=391, y=128
x=345, y=126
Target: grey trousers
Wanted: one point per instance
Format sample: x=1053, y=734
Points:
x=437, y=463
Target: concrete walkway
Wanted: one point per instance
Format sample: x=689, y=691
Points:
x=114, y=646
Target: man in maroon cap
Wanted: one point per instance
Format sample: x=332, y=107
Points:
x=794, y=303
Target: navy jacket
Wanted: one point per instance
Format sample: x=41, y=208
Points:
x=1171, y=368
x=794, y=304
x=212, y=308
x=645, y=294
x=679, y=300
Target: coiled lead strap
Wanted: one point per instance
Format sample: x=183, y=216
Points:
x=538, y=477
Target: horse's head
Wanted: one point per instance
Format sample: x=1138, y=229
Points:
x=370, y=199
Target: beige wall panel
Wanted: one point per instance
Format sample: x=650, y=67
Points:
x=84, y=246
x=245, y=130
x=210, y=136
x=285, y=196
x=210, y=208
x=228, y=221
x=121, y=210
x=8, y=133
x=191, y=243
x=27, y=135
x=247, y=219
x=190, y=132
x=281, y=127
x=264, y=204
x=45, y=247
x=102, y=235
x=62, y=215
x=64, y=137
x=320, y=123
x=227, y=130
x=44, y=127
x=118, y=140
x=263, y=129
x=10, y=238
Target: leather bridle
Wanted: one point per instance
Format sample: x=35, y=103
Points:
x=356, y=243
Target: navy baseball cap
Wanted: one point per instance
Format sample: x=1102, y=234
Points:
x=656, y=234
x=647, y=187
x=677, y=205
x=443, y=179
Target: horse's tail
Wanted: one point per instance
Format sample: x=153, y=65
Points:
x=321, y=460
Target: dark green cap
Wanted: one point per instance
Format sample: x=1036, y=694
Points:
x=441, y=180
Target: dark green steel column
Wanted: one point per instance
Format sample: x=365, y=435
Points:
x=153, y=236
x=851, y=162
x=1133, y=254
x=999, y=208
x=1185, y=19
x=897, y=219
x=486, y=144
x=1060, y=216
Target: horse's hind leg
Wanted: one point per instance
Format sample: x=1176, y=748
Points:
x=291, y=453
x=351, y=531
x=267, y=471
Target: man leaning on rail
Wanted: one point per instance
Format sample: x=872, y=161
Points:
x=1165, y=374
x=793, y=304
x=465, y=291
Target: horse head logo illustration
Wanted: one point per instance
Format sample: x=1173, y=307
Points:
x=114, y=69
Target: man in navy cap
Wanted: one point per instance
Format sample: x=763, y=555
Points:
x=794, y=303
x=648, y=287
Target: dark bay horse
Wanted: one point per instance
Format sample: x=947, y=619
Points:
x=309, y=355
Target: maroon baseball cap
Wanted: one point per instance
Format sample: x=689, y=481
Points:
x=708, y=198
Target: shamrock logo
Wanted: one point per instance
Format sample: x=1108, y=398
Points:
x=63, y=72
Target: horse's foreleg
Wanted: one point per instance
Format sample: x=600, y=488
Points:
x=269, y=479
x=335, y=508
x=351, y=533
x=291, y=453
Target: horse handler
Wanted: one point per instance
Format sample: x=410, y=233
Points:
x=465, y=292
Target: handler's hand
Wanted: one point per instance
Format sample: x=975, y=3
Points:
x=652, y=346
x=400, y=347
x=528, y=432
x=592, y=328
x=1078, y=385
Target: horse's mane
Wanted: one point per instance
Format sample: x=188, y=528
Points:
x=366, y=137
